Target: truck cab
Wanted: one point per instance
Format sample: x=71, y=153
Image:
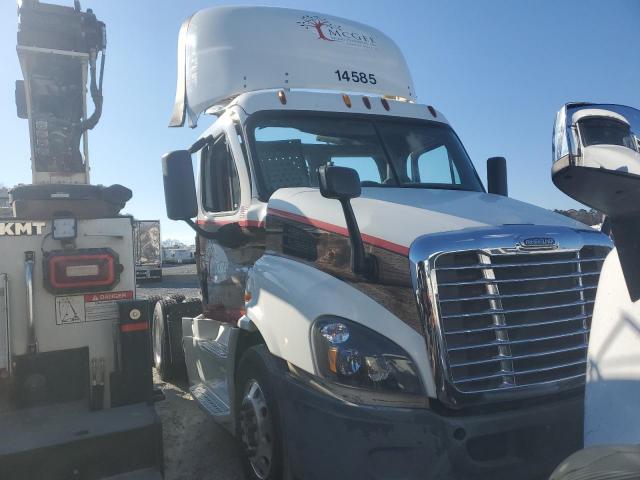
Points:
x=365, y=298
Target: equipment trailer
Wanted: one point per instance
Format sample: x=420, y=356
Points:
x=148, y=250
x=370, y=311
x=75, y=377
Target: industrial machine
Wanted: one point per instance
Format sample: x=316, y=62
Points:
x=596, y=160
x=75, y=377
x=370, y=310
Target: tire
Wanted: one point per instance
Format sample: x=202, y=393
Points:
x=160, y=341
x=152, y=302
x=178, y=297
x=258, y=426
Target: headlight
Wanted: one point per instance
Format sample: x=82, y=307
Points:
x=352, y=355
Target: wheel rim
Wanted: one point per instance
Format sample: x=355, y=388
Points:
x=256, y=430
x=157, y=345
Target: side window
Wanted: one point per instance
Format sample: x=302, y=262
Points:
x=366, y=167
x=435, y=166
x=220, y=183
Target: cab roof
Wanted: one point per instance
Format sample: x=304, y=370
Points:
x=226, y=51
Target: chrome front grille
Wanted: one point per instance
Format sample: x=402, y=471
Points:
x=513, y=318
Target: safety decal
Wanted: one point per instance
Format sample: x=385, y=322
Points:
x=90, y=307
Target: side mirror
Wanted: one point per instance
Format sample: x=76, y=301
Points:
x=497, y=176
x=596, y=161
x=179, y=185
x=340, y=183
x=596, y=156
x=343, y=184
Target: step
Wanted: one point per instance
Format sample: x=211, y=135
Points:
x=212, y=397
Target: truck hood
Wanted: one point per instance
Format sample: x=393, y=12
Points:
x=394, y=217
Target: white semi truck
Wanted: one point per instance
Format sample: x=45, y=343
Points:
x=370, y=310
x=75, y=375
x=596, y=160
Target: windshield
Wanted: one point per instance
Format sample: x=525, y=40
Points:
x=606, y=131
x=288, y=149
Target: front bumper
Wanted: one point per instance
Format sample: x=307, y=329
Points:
x=328, y=438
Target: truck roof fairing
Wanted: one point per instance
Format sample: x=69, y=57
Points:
x=227, y=51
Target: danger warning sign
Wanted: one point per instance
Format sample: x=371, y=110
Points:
x=90, y=307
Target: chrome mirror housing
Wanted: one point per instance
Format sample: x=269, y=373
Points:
x=596, y=161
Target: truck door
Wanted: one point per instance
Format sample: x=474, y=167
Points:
x=224, y=195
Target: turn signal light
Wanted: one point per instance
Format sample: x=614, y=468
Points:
x=81, y=270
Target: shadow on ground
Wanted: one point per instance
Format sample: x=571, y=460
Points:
x=195, y=447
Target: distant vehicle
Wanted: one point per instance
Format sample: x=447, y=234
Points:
x=148, y=248
x=179, y=255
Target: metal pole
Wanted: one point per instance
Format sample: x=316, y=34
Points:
x=32, y=341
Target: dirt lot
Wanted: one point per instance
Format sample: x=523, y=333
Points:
x=194, y=446
x=175, y=279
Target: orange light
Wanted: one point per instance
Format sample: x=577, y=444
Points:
x=333, y=356
x=247, y=297
x=282, y=97
x=385, y=104
x=347, y=100
x=366, y=102
x=432, y=111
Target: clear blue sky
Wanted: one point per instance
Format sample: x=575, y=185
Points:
x=499, y=70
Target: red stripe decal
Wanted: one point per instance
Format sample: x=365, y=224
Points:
x=242, y=223
x=330, y=227
x=134, y=327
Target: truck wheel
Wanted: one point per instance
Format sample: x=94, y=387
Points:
x=178, y=297
x=152, y=302
x=160, y=340
x=258, y=418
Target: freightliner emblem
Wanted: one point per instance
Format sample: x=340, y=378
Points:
x=16, y=229
x=538, y=242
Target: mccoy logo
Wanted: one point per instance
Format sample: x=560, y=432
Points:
x=11, y=229
x=334, y=32
x=538, y=242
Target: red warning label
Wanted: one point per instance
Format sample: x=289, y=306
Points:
x=91, y=307
x=108, y=296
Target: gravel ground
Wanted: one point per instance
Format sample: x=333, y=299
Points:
x=195, y=447
x=175, y=279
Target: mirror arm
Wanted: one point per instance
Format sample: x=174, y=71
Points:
x=361, y=262
x=201, y=231
x=200, y=144
x=625, y=231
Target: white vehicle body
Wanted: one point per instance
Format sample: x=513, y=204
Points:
x=597, y=161
x=292, y=271
x=65, y=320
x=613, y=373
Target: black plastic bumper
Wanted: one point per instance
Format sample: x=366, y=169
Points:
x=328, y=438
